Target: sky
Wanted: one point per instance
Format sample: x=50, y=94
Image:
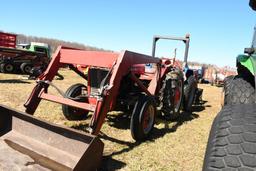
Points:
x=219, y=29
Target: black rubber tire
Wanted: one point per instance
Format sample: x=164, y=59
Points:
x=198, y=96
x=72, y=113
x=238, y=91
x=172, y=83
x=26, y=68
x=232, y=140
x=190, y=87
x=144, y=103
x=226, y=87
x=7, y=68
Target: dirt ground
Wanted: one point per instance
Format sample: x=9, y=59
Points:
x=178, y=145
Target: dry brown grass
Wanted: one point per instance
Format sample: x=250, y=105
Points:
x=178, y=145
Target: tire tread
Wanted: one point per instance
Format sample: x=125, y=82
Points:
x=232, y=140
x=238, y=91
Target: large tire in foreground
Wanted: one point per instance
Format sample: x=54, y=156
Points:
x=172, y=95
x=143, y=118
x=238, y=91
x=190, y=87
x=232, y=140
x=72, y=113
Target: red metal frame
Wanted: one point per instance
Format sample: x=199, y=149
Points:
x=8, y=40
x=120, y=64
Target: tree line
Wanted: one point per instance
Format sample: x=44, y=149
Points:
x=54, y=43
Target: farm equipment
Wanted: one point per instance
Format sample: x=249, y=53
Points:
x=232, y=143
x=115, y=80
x=125, y=80
x=23, y=57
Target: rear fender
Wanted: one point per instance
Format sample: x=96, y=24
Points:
x=248, y=61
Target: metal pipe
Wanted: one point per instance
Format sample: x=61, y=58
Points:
x=186, y=40
x=154, y=46
x=186, y=51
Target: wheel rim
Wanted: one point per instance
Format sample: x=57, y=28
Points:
x=9, y=68
x=148, y=119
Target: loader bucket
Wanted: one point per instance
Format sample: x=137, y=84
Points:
x=39, y=145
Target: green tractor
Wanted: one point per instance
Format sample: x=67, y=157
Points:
x=232, y=140
x=240, y=89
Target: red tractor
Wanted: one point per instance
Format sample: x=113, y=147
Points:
x=125, y=80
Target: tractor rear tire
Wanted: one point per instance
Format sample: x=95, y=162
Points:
x=26, y=68
x=238, y=91
x=232, y=139
x=172, y=95
x=189, y=93
x=7, y=68
x=143, y=118
x=72, y=113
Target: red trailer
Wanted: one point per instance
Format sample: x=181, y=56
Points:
x=8, y=40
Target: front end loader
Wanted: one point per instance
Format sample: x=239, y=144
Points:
x=112, y=81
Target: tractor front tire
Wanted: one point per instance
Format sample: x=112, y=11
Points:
x=143, y=118
x=238, y=91
x=232, y=139
x=75, y=93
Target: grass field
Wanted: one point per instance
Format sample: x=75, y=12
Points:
x=178, y=145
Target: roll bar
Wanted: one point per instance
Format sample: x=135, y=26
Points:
x=185, y=39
